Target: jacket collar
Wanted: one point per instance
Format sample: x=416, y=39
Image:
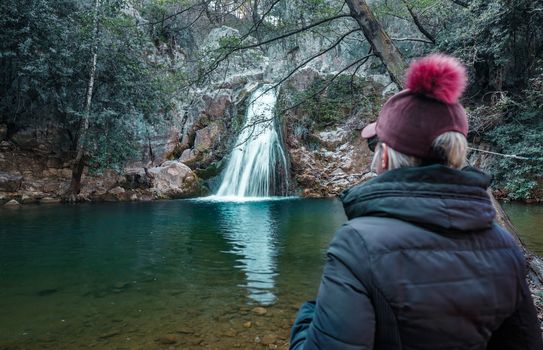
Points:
x=433, y=195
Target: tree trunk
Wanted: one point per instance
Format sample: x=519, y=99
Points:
x=79, y=161
x=379, y=40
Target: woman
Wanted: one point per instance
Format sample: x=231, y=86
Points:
x=421, y=264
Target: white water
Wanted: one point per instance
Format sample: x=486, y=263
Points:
x=258, y=157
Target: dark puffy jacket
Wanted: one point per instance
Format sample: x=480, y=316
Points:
x=425, y=239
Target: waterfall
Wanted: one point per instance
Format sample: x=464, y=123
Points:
x=257, y=165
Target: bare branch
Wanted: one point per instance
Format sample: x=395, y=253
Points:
x=329, y=82
x=256, y=25
x=175, y=14
x=417, y=22
x=307, y=61
x=234, y=49
x=413, y=39
x=299, y=30
x=357, y=68
x=461, y=3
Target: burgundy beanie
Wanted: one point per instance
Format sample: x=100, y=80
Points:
x=410, y=120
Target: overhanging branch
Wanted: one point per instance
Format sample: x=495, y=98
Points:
x=234, y=49
x=329, y=83
x=417, y=22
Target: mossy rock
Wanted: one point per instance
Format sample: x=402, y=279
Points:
x=212, y=170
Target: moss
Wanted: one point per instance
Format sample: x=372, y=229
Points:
x=214, y=169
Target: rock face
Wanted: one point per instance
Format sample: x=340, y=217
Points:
x=10, y=182
x=327, y=157
x=341, y=161
x=173, y=179
x=160, y=146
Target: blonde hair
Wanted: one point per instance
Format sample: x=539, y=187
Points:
x=451, y=147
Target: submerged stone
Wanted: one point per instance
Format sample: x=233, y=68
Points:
x=45, y=292
x=260, y=310
x=167, y=339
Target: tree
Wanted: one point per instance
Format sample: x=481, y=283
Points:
x=79, y=161
x=379, y=40
x=90, y=71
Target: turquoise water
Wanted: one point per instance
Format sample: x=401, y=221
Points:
x=139, y=275
x=183, y=274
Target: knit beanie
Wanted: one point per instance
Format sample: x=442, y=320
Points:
x=411, y=119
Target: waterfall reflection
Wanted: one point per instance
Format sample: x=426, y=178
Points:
x=249, y=228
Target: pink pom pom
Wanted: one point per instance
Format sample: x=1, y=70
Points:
x=439, y=76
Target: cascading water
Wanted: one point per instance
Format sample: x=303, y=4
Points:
x=257, y=165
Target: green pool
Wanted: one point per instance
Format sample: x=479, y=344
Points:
x=185, y=274
x=170, y=274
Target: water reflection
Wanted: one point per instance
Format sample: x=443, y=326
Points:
x=250, y=229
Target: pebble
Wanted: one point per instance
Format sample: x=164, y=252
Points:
x=230, y=333
x=248, y=324
x=260, y=310
x=167, y=339
x=109, y=334
x=185, y=331
x=269, y=339
x=121, y=285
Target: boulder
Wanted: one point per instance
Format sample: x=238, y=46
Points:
x=189, y=156
x=116, y=194
x=31, y=197
x=206, y=137
x=173, y=179
x=12, y=203
x=216, y=106
x=136, y=177
x=10, y=182
x=160, y=146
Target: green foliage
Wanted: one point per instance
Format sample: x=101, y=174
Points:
x=500, y=40
x=328, y=104
x=46, y=57
x=522, y=134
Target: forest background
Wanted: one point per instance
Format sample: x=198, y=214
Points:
x=110, y=73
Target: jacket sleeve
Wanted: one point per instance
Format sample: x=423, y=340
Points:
x=342, y=318
x=520, y=331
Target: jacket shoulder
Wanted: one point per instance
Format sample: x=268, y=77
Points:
x=381, y=235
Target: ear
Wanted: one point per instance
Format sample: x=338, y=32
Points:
x=384, y=156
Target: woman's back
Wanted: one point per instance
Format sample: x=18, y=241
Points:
x=450, y=275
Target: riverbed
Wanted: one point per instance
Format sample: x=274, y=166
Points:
x=186, y=274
